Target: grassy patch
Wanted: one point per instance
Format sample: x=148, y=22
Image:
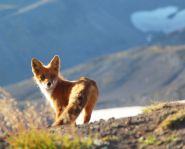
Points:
x=110, y=138
x=14, y=119
x=150, y=140
x=26, y=128
x=172, y=120
x=42, y=139
x=154, y=107
x=168, y=140
x=171, y=138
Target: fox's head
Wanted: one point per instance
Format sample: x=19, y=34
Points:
x=46, y=75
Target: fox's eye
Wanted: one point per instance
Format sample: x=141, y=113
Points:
x=42, y=77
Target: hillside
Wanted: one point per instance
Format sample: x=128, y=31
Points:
x=133, y=77
x=4, y=94
x=42, y=28
x=160, y=126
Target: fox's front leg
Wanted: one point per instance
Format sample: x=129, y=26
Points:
x=68, y=116
x=72, y=110
x=57, y=115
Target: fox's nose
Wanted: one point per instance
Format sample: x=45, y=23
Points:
x=49, y=84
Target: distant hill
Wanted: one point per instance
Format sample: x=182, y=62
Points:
x=81, y=30
x=133, y=77
x=4, y=94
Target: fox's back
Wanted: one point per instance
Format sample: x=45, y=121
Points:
x=65, y=88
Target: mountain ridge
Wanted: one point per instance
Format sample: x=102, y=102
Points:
x=89, y=29
x=128, y=78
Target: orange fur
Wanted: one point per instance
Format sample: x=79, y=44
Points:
x=68, y=98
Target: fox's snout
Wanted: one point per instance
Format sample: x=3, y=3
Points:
x=49, y=84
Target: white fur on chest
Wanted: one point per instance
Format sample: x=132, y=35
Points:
x=47, y=94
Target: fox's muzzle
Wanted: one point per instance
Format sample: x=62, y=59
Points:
x=48, y=84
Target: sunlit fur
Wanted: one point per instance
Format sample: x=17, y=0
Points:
x=67, y=98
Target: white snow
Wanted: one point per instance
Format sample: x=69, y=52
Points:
x=121, y=112
x=166, y=20
x=113, y=112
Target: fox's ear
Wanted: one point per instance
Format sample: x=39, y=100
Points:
x=36, y=65
x=55, y=63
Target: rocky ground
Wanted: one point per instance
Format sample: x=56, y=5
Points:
x=160, y=126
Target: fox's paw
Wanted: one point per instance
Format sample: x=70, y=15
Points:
x=54, y=125
x=57, y=124
x=48, y=126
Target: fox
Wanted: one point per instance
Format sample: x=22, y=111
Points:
x=67, y=98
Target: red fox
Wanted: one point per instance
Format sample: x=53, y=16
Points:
x=67, y=98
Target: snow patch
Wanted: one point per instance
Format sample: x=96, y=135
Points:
x=165, y=20
x=113, y=112
x=121, y=112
